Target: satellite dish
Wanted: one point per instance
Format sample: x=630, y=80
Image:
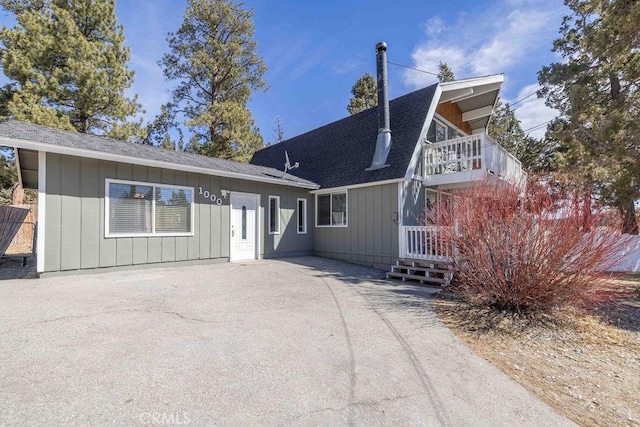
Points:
x=287, y=164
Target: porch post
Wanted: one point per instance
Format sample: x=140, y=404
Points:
x=401, y=235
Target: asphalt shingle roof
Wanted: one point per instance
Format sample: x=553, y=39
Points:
x=339, y=153
x=99, y=144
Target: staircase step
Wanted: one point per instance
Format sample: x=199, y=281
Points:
x=423, y=263
x=405, y=276
x=400, y=268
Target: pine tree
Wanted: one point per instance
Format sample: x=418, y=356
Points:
x=365, y=94
x=597, y=91
x=214, y=61
x=445, y=74
x=506, y=130
x=279, y=130
x=68, y=64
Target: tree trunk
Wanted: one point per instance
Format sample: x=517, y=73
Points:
x=17, y=195
x=629, y=220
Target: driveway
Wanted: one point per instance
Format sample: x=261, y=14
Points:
x=302, y=341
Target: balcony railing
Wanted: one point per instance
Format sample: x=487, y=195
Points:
x=468, y=158
x=424, y=243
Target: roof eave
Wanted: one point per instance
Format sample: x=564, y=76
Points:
x=92, y=154
x=467, y=83
x=415, y=157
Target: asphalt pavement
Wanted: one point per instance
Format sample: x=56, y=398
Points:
x=301, y=341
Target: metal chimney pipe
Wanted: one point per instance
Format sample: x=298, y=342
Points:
x=383, y=81
x=383, y=142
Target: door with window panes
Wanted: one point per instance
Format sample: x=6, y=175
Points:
x=243, y=227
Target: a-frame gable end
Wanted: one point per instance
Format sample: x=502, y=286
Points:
x=415, y=158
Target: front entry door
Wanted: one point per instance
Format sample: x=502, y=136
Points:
x=243, y=226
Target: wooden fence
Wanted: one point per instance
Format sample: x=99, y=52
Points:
x=18, y=230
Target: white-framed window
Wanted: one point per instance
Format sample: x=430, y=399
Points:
x=274, y=214
x=302, y=216
x=442, y=130
x=331, y=209
x=141, y=209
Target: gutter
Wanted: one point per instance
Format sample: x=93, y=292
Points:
x=92, y=154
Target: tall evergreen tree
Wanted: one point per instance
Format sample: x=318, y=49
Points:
x=68, y=64
x=214, y=61
x=279, y=130
x=445, y=74
x=506, y=130
x=597, y=91
x=365, y=94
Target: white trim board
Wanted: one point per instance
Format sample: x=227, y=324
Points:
x=423, y=133
x=354, y=186
x=42, y=198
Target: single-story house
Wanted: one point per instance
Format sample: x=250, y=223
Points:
x=353, y=190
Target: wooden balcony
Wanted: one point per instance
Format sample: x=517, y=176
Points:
x=466, y=159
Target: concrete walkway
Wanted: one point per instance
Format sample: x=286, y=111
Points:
x=304, y=341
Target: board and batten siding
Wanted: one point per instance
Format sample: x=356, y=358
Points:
x=371, y=236
x=75, y=217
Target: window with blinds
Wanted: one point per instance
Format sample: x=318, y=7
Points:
x=143, y=209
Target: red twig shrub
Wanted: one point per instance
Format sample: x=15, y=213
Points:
x=523, y=249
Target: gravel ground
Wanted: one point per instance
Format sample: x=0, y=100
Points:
x=12, y=268
x=587, y=366
x=306, y=341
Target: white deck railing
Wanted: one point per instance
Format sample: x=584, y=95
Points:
x=473, y=155
x=425, y=243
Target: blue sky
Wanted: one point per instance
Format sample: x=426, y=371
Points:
x=316, y=50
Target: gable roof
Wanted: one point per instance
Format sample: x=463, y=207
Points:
x=28, y=136
x=476, y=97
x=339, y=153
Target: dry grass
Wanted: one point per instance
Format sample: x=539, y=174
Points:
x=584, y=364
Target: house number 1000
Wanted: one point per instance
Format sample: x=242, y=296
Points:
x=211, y=196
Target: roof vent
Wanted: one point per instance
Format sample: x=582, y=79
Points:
x=383, y=142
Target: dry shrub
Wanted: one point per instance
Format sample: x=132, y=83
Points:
x=524, y=249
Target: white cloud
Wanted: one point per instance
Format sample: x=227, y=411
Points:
x=495, y=40
x=508, y=37
x=456, y=59
x=508, y=45
x=434, y=25
x=532, y=112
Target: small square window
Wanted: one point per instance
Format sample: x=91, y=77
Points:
x=331, y=209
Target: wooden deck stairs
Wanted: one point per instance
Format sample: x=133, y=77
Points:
x=422, y=271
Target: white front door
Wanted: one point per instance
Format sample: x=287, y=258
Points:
x=243, y=226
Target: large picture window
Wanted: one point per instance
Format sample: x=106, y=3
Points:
x=144, y=209
x=331, y=209
x=274, y=214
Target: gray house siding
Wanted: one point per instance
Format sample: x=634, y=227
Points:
x=413, y=203
x=371, y=236
x=75, y=217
